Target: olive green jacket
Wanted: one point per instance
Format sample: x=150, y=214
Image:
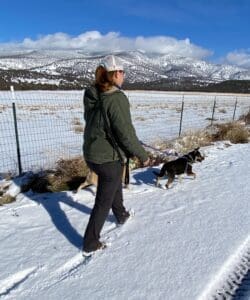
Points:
x=97, y=146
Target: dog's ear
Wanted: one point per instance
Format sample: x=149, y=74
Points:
x=197, y=149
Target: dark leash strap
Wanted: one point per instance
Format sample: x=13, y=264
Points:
x=126, y=179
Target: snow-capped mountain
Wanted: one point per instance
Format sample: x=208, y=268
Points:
x=59, y=67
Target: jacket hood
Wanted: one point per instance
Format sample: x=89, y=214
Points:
x=91, y=95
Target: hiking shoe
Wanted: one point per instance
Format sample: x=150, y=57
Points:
x=100, y=246
x=124, y=217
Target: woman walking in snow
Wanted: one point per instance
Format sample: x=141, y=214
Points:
x=109, y=139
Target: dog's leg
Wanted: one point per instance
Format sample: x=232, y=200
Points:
x=170, y=180
x=190, y=172
x=180, y=178
x=83, y=185
x=91, y=179
x=157, y=181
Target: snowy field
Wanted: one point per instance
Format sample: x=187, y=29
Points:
x=50, y=124
x=186, y=243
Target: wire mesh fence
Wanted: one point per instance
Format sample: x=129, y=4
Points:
x=40, y=127
x=168, y=115
x=49, y=127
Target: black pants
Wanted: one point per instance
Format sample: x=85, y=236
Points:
x=108, y=195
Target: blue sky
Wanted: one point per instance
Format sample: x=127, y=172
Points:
x=206, y=29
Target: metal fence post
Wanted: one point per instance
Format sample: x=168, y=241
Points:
x=182, y=108
x=16, y=131
x=213, y=111
x=235, y=108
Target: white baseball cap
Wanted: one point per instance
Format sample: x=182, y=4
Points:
x=112, y=63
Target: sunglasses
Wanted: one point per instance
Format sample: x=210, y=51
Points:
x=121, y=71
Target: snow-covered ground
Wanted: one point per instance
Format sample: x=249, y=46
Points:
x=189, y=242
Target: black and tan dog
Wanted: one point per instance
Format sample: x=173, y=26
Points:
x=182, y=165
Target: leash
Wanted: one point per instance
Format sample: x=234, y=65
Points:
x=169, y=153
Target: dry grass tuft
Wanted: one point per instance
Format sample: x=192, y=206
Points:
x=77, y=125
x=68, y=175
x=162, y=145
x=192, y=140
x=183, y=144
x=71, y=167
x=78, y=129
x=222, y=110
x=5, y=199
x=235, y=132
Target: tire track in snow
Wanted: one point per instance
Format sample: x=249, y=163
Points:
x=231, y=276
x=243, y=292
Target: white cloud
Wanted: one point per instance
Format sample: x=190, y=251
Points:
x=169, y=45
x=240, y=58
x=94, y=41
